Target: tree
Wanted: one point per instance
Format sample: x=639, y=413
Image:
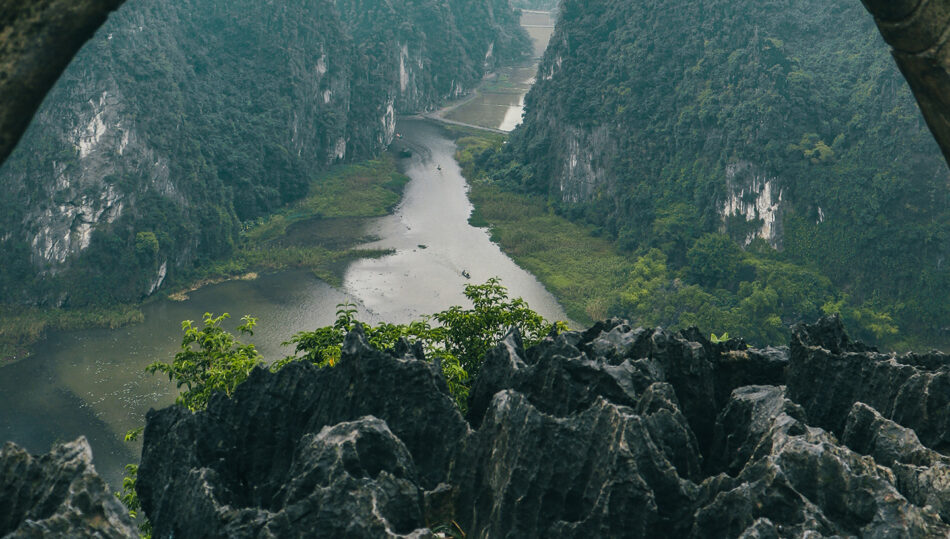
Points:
x=470, y=333
x=211, y=359
x=146, y=246
x=714, y=261
x=459, y=341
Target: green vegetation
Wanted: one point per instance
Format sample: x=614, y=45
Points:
x=675, y=119
x=457, y=337
x=211, y=360
x=20, y=327
x=181, y=122
x=128, y=495
x=755, y=293
x=317, y=233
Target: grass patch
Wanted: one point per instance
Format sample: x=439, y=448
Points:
x=319, y=232
x=593, y=279
x=584, y=272
x=369, y=189
x=21, y=327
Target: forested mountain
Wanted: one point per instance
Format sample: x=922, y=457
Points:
x=762, y=161
x=180, y=120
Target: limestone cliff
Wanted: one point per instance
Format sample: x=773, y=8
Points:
x=784, y=126
x=39, y=40
x=182, y=119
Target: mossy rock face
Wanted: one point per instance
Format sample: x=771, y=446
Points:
x=913, y=29
x=39, y=40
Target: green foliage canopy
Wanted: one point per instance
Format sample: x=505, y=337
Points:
x=458, y=341
x=211, y=359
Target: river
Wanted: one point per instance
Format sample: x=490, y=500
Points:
x=499, y=102
x=93, y=382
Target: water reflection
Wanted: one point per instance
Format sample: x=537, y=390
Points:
x=93, y=382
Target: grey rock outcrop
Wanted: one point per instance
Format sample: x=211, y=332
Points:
x=57, y=495
x=39, y=40
x=917, y=32
x=271, y=461
x=828, y=373
x=613, y=432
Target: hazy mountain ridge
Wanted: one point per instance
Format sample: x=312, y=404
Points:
x=783, y=124
x=180, y=120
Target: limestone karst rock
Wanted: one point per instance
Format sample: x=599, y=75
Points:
x=244, y=466
x=614, y=432
x=918, y=33
x=58, y=494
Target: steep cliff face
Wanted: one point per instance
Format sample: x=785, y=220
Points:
x=180, y=120
x=719, y=86
x=768, y=122
x=615, y=431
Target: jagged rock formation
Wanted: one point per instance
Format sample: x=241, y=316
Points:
x=612, y=432
x=917, y=32
x=279, y=469
x=39, y=40
x=57, y=495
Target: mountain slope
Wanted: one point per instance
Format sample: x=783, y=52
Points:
x=181, y=120
x=785, y=127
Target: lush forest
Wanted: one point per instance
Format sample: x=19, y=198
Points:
x=181, y=123
x=758, y=163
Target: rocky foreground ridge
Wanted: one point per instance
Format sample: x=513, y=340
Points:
x=57, y=495
x=611, y=432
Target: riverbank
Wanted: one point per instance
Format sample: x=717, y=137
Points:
x=497, y=104
x=436, y=252
x=583, y=271
x=319, y=233
x=93, y=382
x=592, y=277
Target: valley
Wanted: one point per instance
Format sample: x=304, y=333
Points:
x=93, y=382
x=618, y=269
